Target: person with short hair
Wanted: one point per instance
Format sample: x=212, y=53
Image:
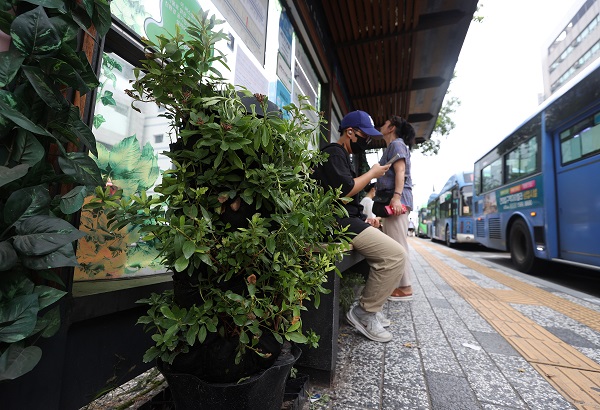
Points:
x=385, y=256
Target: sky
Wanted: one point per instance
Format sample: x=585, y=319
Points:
x=498, y=79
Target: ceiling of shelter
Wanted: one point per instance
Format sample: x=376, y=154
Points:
x=393, y=57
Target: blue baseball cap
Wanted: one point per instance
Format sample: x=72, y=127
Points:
x=362, y=121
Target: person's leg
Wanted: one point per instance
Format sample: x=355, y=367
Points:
x=386, y=258
x=396, y=228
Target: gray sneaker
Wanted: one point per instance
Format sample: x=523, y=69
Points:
x=385, y=322
x=368, y=324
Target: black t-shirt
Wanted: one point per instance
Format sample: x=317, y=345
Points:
x=337, y=172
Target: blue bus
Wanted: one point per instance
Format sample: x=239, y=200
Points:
x=452, y=211
x=538, y=191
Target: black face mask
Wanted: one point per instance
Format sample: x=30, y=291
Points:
x=360, y=145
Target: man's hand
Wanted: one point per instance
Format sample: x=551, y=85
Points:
x=379, y=170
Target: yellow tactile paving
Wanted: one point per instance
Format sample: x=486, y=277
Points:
x=584, y=315
x=580, y=387
x=573, y=374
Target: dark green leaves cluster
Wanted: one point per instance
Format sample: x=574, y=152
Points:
x=238, y=212
x=39, y=74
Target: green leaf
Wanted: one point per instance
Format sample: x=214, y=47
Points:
x=12, y=174
x=192, y=334
x=6, y=20
x=82, y=131
x=107, y=98
x=26, y=203
x=21, y=120
x=41, y=235
x=188, y=249
x=72, y=201
x=27, y=149
x=296, y=337
x=46, y=90
x=62, y=72
x=51, y=4
x=10, y=62
x=18, y=317
x=48, y=295
x=98, y=121
x=102, y=17
x=8, y=256
x=271, y=244
x=18, y=360
x=82, y=168
x=64, y=256
x=181, y=264
x=52, y=319
x=33, y=34
x=167, y=313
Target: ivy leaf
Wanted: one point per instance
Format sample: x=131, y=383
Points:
x=107, y=98
x=98, y=120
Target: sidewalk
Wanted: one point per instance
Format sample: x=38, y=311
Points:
x=475, y=336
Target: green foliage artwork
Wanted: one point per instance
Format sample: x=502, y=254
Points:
x=110, y=253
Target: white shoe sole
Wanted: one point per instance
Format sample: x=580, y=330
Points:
x=400, y=298
x=359, y=326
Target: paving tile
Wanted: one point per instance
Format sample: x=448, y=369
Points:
x=449, y=392
x=495, y=343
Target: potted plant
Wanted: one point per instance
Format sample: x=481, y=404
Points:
x=246, y=231
x=43, y=176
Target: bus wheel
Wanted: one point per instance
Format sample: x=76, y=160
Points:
x=447, y=237
x=521, y=247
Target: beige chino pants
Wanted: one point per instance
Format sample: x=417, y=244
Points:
x=386, y=259
x=397, y=228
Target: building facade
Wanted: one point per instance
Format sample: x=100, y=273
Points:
x=572, y=46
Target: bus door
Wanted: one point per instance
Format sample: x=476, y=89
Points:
x=454, y=211
x=578, y=192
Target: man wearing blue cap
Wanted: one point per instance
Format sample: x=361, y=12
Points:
x=385, y=256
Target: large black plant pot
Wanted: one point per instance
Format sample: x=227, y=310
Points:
x=263, y=391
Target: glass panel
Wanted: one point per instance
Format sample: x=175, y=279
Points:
x=130, y=144
x=467, y=200
x=585, y=140
x=590, y=140
x=492, y=175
